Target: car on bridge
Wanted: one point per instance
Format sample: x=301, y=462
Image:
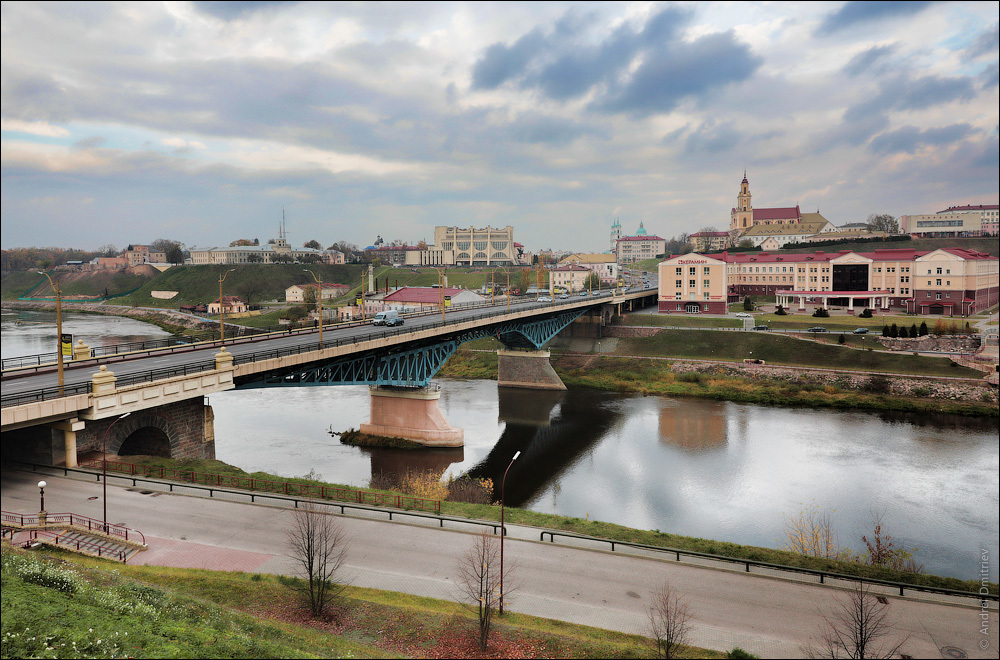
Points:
x=545, y=299
x=583, y=293
x=563, y=296
x=388, y=317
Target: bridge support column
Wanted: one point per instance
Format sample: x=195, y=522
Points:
x=411, y=414
x=528, y=370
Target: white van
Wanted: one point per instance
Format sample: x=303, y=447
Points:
x=388, y=317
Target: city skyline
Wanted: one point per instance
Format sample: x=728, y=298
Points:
x=201, y=122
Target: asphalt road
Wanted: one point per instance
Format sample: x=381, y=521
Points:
x=767, y=616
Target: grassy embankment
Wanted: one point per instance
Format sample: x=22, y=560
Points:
x=60, y=605
x=654, y=376
x=605, y=530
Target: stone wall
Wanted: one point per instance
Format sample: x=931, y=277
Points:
x=937, y=343
x=187, y=426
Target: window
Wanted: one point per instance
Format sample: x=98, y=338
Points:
x=678, y=283
x=938, y=271
x=937, y=296
x=692, y=270
x=707, y=283
x=706, y=295
x=680, y=271
x=691, y=283
x=938, y=282
x=707, y=271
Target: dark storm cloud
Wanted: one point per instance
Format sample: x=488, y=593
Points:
x=562, y=65
x=854, y=13
x=910, y=138
x=868, y=59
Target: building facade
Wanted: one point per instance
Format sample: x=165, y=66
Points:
x=692, y=284
x=630, y=249
x=470, y=246
x=297, y=292
x=571, y=278
x=709, y=241
x=951, y=281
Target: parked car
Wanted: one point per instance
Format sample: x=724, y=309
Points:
x=816, y=328
x=861, y=331
x=761, y=327
x=744, y=315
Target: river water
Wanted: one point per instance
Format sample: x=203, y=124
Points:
x=718, y=470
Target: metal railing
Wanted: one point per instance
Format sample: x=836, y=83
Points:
x=74, y=520
x=96, y=351
x=290, y=488
x=748, y=563
x=208, y=365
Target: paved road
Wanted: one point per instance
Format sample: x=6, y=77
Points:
x=767, y=616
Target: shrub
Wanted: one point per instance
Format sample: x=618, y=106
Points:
x=923, y=328
x=748, y=304
x=877, y=385
x=739, y=654
x=780, y=311
x=867, y=314
x=690, y=377
x=821, y=313
x=842, y=339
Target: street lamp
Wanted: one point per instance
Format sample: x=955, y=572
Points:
x=104, y=466
x=41, y=495
x=503, y=530
x=319, y=282
x=222, y=308
x=59, y=353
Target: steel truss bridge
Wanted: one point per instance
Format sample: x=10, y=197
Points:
x=414, y=366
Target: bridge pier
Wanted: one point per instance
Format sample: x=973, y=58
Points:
x=527, y=370
x=412, y=414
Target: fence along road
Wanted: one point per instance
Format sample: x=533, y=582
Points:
x=766, y=616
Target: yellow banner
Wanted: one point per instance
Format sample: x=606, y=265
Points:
x=66, y=344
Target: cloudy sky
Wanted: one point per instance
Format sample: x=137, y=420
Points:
x=201, y=121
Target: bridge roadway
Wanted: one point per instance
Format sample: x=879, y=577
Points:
x=768, y=616
x=18, y=382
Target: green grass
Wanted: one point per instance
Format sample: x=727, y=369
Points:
x=777, y=349
x=679, y=320
x=60, y=605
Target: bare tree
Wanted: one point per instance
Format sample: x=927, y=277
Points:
x=319, y=546
x=882, y=222
x=859, y=627
x=811, y=534
x=479, y=581
x=669, y=621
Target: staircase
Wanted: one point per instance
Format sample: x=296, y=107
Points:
x=74, y=534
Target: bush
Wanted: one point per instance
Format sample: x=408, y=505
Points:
x=867, y=314
x=877, y=385
x=748, y=304
x=842, y=339
x=691, y=377
x=780, y=311
x=739, y=654
x=821, y=313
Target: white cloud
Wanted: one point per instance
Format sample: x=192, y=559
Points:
x=42, y=128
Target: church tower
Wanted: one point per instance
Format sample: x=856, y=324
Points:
x=741, y=217
x=616, y=233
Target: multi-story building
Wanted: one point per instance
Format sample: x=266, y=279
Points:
x=953, y=222
x=630, y=249
x=604, y=264
x=279, y=250
x=136, y=255
x=331, y=291
x=953, y=281
x=709, y=241
x=488, y=246
x=809, y=226
x=692, y=284
x=570, y=277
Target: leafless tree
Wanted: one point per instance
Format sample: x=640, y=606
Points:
x=318, y=545
x=859, y=627
x=479, y=581
x=669, y=621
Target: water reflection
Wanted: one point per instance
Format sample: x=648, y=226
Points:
x=693, y=424
x=390, y=462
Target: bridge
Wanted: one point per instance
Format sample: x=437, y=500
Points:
x=153, y=401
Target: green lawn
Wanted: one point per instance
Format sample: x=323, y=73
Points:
x=777, y=349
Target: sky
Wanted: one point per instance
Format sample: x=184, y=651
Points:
x=207, y=122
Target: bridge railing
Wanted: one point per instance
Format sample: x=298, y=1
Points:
x=289, y=488
x=45, y=394
x=96, y=351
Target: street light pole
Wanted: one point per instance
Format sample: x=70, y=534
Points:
x=104, y=469
x=503, y=530
x=319, y=282
x=59, y=353
x=222, y=308
x=41, y=495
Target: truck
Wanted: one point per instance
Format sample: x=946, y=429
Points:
x=388, y=317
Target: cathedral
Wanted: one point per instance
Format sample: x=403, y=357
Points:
x=744, y=216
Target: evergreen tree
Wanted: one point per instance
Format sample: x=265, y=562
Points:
x=923, y=328
x=893, y=330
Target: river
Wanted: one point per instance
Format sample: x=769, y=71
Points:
x=718, y=470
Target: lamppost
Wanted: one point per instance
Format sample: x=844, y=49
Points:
x=104, y=469
x=319, y=296
x=503, y=530
x=59, y=353
x=41, y=495
x=222, y=308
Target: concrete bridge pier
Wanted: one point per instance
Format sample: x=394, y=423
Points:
x=527, y=369
x=411, y=414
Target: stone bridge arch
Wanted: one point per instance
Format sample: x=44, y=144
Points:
x=146, y=433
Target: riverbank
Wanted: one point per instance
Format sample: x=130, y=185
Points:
x=597, y=528
x=176, y=323
x=762, y=384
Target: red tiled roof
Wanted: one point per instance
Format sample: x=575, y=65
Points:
x=421, y=294
x=777, y=213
